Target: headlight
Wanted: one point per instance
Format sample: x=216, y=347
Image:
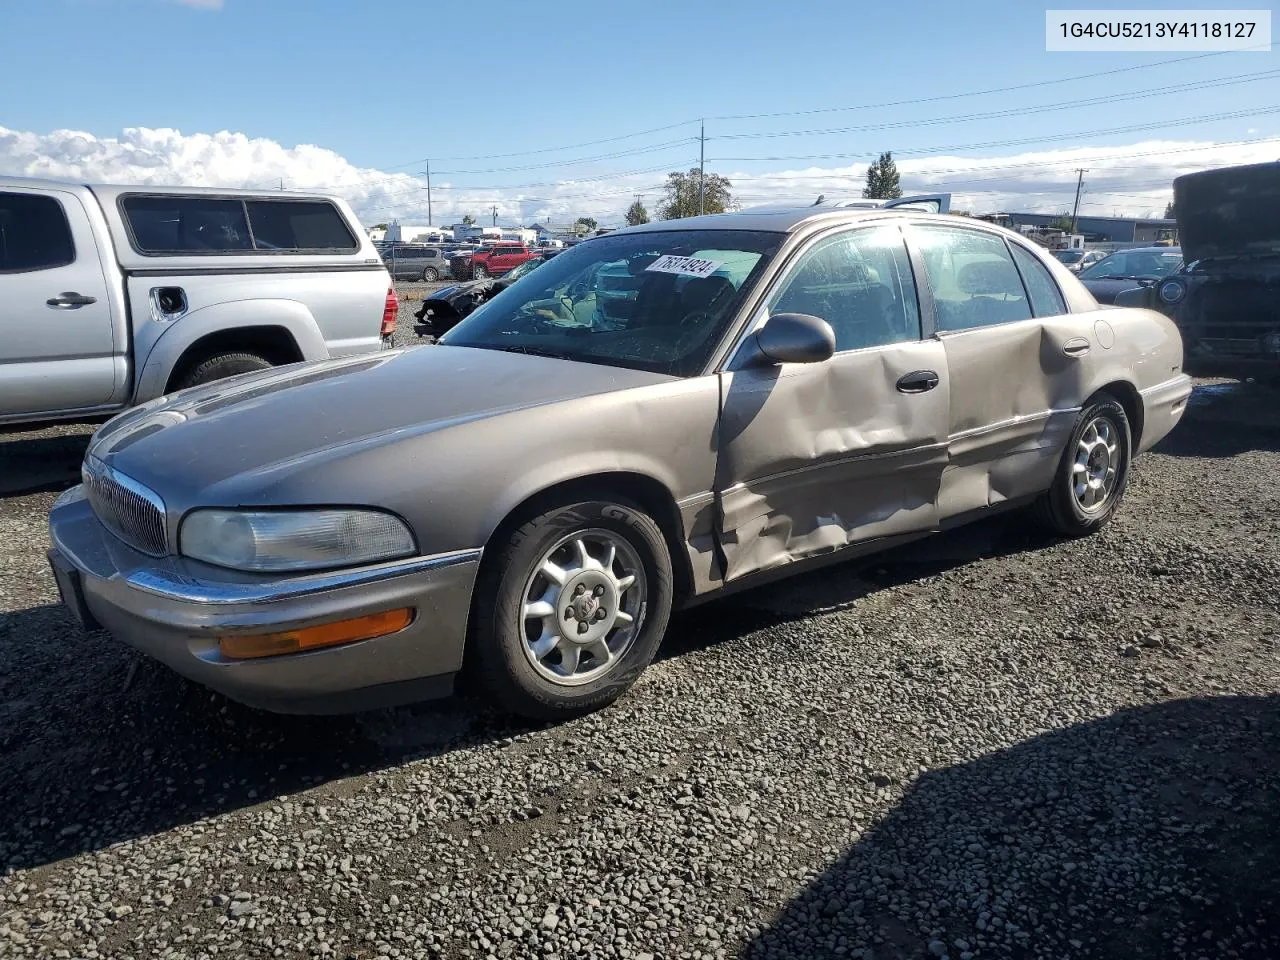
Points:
x=1171, y=291
x=269, y=541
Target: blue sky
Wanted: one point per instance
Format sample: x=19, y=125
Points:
x=378, y=83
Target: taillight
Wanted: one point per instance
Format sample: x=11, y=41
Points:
x=389, y=313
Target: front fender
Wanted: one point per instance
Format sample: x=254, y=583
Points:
x=167, y=349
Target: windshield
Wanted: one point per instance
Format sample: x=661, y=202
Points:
x=657, y=301
x=1134, y=265
x=1069, y=256
x=523, y=270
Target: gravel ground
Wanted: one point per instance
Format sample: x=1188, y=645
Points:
x=985, y=745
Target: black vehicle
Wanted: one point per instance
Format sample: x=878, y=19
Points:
x=445, y=308
x=414, y=262
x=1133, y=269
x=1227, y=300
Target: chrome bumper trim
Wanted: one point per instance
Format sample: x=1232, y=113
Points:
x=165, y=584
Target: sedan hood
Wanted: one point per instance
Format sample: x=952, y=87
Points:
x=275, y=423
x=1232, y=212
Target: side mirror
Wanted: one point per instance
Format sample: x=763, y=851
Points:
x=796, y=338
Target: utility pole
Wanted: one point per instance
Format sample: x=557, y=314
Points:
x=702, y=167
x=429, y=194
x=495, y=214
x=282, y=183
x=1079, y=184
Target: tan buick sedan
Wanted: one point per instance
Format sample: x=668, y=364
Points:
x=650, y=418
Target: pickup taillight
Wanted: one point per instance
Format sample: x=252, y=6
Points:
x=389, y=313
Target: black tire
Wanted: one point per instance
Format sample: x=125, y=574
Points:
x=221, y=366
x=1059, y=510
x=478, y=272
x=430, y=275
x=497, y=658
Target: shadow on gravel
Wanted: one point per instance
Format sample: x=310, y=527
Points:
x=1226, y=419
x=36, y=464
x=1148, y=833
x=85, y=763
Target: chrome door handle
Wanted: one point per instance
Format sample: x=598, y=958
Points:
x=70, y=301
x=1076, y=347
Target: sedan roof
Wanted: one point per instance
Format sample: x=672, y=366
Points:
x=783, y=221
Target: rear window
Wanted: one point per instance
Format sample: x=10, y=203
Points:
x=229, y=225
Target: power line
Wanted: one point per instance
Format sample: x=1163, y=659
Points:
x=974, y=93
x=1128, y=128
x=1011, y=112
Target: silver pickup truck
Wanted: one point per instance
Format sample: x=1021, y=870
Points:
x=114, y=295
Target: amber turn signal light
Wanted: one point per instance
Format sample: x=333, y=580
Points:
x=311, y=638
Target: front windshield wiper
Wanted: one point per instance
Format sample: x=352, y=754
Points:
x=521, y=348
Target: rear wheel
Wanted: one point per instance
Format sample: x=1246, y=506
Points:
x=479, y=272
x=221, y=366
x=430, y=275
x=572, y=609
x=1093, y=472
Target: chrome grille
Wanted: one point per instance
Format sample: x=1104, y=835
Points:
x=132, y=512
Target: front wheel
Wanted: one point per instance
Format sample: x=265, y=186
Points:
x=1093, y=472
x=571, y=609
x=430, y=275
x=479, y=272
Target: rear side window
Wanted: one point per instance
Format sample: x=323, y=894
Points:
x=974, y=281
x=298, y=225
x=34, y=233
x=229, y=225
x=1046, y=298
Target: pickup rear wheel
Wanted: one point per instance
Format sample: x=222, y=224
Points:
x=221, y=366
x=571, y=609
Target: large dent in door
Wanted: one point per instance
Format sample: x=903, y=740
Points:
x=815, y=457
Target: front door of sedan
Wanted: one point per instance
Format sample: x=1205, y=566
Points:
x=1018, y=363
x=815, y=457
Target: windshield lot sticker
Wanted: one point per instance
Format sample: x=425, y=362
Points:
x=684, y=266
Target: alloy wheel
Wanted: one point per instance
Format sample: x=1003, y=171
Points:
x=583, y=606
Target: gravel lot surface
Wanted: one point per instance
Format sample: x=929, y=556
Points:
x=985, y=745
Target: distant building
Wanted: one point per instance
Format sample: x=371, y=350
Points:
x=1130, y=230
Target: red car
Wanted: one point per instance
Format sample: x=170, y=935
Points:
x=497, y=259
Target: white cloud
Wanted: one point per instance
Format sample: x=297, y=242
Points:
x=1133, y=179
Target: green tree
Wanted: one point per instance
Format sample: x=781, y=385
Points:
x=1168, y=211
x=378, y=226
x=585, y=225
x=883, y=182
x=1062, y=222
x=468, y=220
x=637, y=214
x=680, y=195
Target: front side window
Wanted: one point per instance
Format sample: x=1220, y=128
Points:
x=34, y=233
x=973, y=279
x=859, y=282
x=1046, y=298
x=659, y=301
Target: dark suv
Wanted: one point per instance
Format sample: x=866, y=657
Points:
x=409, y=262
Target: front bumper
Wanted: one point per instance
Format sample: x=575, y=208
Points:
x=174, y=610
